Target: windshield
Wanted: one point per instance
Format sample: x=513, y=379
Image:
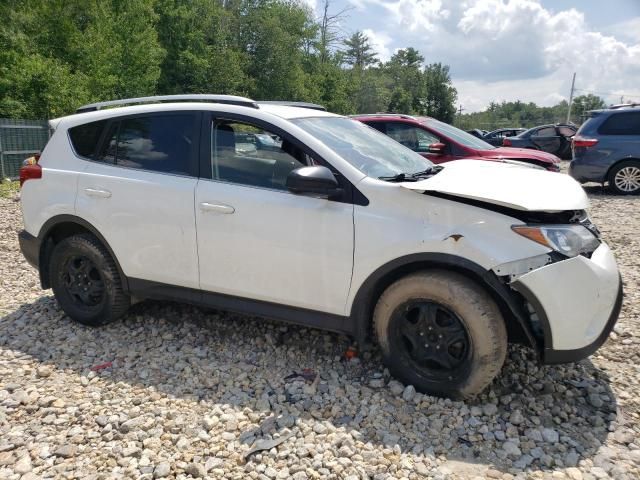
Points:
x=459, y=136
x=371, y=152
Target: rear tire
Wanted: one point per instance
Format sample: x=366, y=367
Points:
x=624, y=178
x=441, y=333
x=86, y=282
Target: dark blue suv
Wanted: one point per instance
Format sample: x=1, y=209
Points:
x=606, y=148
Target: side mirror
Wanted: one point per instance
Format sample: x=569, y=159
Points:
x=437, y=148
x=315, y=181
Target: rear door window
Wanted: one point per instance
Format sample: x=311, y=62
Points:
x=85, y=138
x=546, y=132
x=164, y=143
x=623, y=123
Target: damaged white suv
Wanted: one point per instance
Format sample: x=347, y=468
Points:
x=289, y=212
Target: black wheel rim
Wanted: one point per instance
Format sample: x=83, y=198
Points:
x=82, y=281
x=432, y=338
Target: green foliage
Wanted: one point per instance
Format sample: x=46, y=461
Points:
x=59, y=54
x=584, y=103
x=527, y=115
x=8, y=188
x=359, y=52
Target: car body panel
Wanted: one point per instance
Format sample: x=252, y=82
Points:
x=512, y=186
x=582, y=302
x=415, y=223
x=55, y=193
x=275, y=246
x=147, y=219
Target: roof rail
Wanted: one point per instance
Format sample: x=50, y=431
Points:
x=225, y=99
x=284, y=103
x=624, y=105
x=385, y=114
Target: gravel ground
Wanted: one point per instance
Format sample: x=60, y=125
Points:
x=175, y=391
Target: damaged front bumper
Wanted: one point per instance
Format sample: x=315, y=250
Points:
x=576, y=301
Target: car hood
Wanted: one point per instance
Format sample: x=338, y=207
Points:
x=520, y=153
x=504, y=184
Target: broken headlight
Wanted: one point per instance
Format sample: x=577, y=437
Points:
x=569, y=240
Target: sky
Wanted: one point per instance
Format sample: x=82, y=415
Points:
x=511, y=49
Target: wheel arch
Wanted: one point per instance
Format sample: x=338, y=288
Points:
x=63, y=226
x=618, y=162
x=516, y=320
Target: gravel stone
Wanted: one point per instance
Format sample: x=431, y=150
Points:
x=550, y=435
x=66, y=451
x=162, y=470
x=409, y=393
x=189, y=391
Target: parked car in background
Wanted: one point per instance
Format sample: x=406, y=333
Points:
x=476, y=132
x=440, y=142
x=606, y=149
x=342, y=229
x=496, y=137
x=555, y=139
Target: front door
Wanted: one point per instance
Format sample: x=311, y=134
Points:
x=257, y=240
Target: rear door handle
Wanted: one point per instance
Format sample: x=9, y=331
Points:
x=94, y=192
x=216, y=207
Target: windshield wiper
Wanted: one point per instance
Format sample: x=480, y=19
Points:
x=400, y=177
x=412, y=177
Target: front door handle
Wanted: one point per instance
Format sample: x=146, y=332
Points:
x=216, y=207
x=94, y=192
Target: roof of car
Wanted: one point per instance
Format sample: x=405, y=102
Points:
x=283, y=111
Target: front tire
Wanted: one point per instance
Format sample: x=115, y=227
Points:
x=441, y=333
x=85, y=281
x=624, y=178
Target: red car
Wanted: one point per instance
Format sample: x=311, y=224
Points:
x=441, y=142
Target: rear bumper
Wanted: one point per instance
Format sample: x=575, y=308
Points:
x=30, y=247
x=577, y=302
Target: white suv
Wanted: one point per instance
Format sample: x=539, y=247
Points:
x=309, y=217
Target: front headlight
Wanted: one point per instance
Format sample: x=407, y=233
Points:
x=569, y=240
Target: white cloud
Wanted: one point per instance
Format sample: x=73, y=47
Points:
x=514, y=49
x=379, y=41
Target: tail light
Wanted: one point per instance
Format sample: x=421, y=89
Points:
x=30, y=169
x=506, y=142
x=584, y=142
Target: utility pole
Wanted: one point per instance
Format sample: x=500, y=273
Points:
x=460, y=109
x=573, y=84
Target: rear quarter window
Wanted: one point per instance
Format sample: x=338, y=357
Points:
x=623, y=123
x=84, y=138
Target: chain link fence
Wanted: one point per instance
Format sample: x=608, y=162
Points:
x=20, y=139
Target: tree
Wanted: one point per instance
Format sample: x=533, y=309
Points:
x=201, y=55
x=583, y=103
x=329, y=31
x=59, y=54
x=359, y=52
x=439, y=101
x=404, y=70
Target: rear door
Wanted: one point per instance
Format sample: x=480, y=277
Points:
x=137, y=189
x=547, y=140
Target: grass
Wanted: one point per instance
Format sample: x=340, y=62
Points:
x=9, y=189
